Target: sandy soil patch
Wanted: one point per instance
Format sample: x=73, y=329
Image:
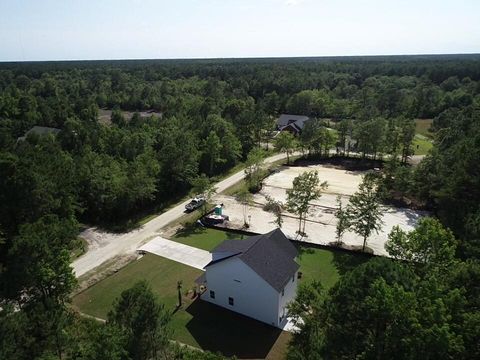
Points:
x=339, y=181
x=321, y=224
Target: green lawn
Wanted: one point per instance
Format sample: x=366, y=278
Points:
x=421, y=144
x=161, y=273
x=326, y=265
x=197, y=323
x=203, y=238
x=201, y=324
x=315, y=263
x=422, y=126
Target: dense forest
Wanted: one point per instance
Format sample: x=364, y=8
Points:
x=207, y=116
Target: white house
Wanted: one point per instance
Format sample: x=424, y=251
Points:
x=256, y=277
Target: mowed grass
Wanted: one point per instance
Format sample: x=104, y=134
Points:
x=203, y=238
x=422, y=127
x=197, y=323
x=421, y=145
x=315, y=263
x=161, y=273
x=326, y=266
x=201, y=324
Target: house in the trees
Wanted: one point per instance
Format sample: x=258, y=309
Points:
x=292, y=123
x=39, y=131
x=256, y=277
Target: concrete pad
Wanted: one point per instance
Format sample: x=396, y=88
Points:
x=175, y=251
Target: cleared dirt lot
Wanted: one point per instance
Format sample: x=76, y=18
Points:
x=321, y=223
x=339, y=181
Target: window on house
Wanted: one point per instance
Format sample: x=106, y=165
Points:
x=293, y=278
x=212, y=294
x=230, y=301
x=283, y=292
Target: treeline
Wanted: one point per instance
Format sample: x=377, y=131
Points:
x=447, y=181
x=374, y=138
x=48, y=94
x=423, y=305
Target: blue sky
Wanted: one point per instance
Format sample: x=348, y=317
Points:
x=136, y=29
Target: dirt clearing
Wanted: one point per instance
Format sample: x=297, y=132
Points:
x=321, y=223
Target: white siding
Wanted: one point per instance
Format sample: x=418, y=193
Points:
x=289, y=293
x=252, y=295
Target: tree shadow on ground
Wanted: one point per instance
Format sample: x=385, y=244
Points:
x=190, y=229
x=341, y=162
x=346, y=261
x=304, y=250
x=118, y=227
x=235, y=236
x=219, y=330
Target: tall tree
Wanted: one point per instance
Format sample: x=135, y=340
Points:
x=212, y=151
x=407, y=134
x=276, y=207
x=253, y=169
x=343, y=220
x=39, y=261
x=345, y=132
x=429, y=244
x=364, y=210
x=285, y=142
x=305, y=189
x=245, y=197
x=142, y=320
x=39, y=280
x=370, y=136
x=382, y=310
x=118, y=118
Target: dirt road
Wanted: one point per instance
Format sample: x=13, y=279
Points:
x=104, y=246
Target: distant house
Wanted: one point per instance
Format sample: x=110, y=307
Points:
x=256, y=277
x=292, y=123
x=39, y=130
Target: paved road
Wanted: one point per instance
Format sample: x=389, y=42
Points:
x=175, y=251
x=104, y=246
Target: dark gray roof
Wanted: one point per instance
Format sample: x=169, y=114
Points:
x=270, y=255
x=298, y=120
